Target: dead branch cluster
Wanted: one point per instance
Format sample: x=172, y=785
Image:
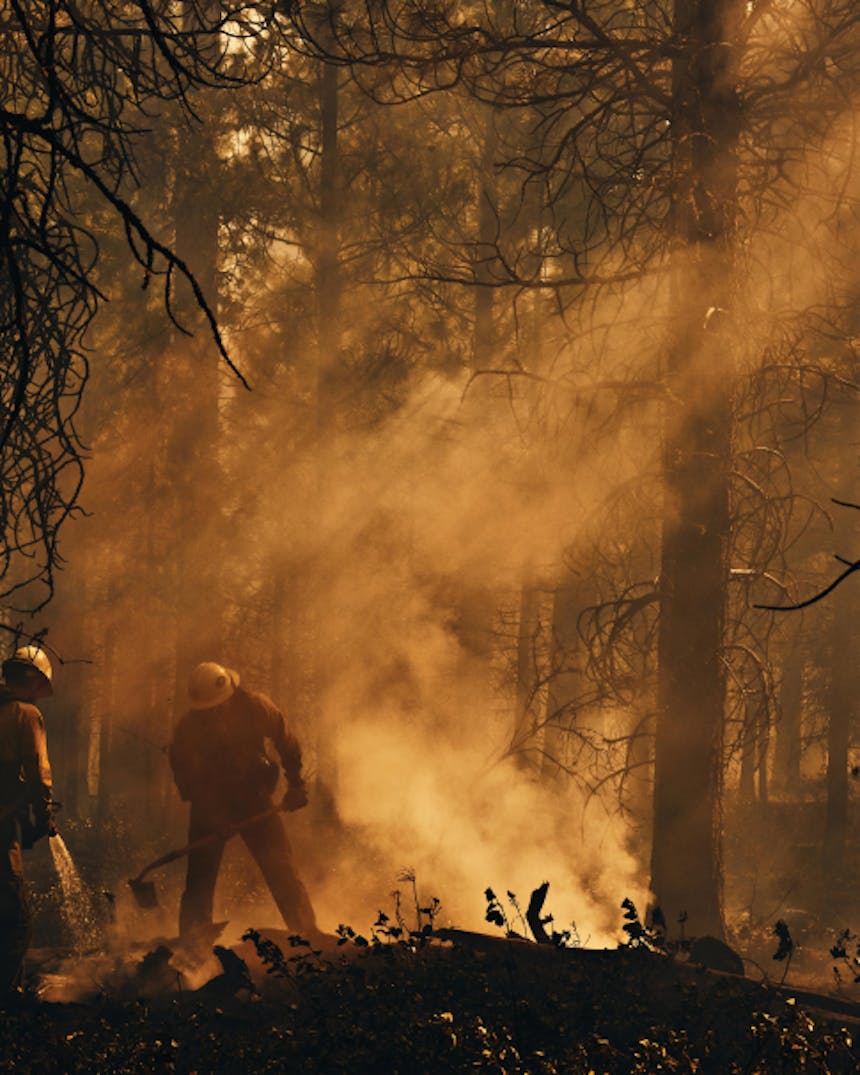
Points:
x=79, y=82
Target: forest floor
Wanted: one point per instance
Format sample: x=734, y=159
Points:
x=438, y=1001
x=423, y=1003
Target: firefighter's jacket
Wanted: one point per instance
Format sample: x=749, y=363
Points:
x=219, y=759
x=25, y=771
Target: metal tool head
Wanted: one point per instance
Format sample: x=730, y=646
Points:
x=144, y=893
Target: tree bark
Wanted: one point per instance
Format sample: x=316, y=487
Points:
x=788, y=724
x=108, y=763
x=842, y=686
x=748, y=757
x=686, y=858
x=328, y=284
x=523, y=742
x=328, y=304
x=193, y=443
x=484, y=341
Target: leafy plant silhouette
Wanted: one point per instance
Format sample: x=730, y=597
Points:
x=785, y=947
x=839, y=952
x=388, y=931
x=306, y=960
x=531, y=921
x=649, y=935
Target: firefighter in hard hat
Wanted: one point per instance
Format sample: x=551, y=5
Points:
x=221, y=766
x=25, y=798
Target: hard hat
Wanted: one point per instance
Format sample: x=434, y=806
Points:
x=35, y=658
x=210, y=684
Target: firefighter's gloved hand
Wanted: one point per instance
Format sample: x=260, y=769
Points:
x=296, y=796
x=34, y=825
x=46, y=824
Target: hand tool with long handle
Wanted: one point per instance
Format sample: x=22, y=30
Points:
x=144, y=891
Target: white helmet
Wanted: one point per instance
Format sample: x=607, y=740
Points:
x=210, y=684
x=32, y=657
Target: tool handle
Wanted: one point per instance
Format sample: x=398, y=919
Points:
x=209, y=838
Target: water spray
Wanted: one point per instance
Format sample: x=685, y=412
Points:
x=76, y=908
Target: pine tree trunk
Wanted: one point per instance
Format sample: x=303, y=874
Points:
x=71, y=636
x=762, y=753
x=523, y=742
x=788, y=724
x=748, y=756
x=194, y=439
x=108, y=762
x=328, y=299
x=327, y=264
x=484, y=341
x=686, y=859
x=843, y=683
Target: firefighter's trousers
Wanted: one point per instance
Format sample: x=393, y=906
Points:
x=267, y=841
x=15, y=919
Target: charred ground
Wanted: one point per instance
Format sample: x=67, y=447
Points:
x=480, y=1003
x=416, y=997
x=396, y=997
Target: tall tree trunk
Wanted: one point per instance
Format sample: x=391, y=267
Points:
x=530, y=354
x=484, y=340
x=108, y=762
x=523, y=740
x=788, y=724
x=328, y=300
x=748, y=753
x=476, y=605
x=840, y=707
x=843, y=682
x=755, y=746
x=280, y=643
x=193, y=442
x=328, y=285
x=763, y=750
x=70, y=637
x=686, y=859
x=96, y=692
